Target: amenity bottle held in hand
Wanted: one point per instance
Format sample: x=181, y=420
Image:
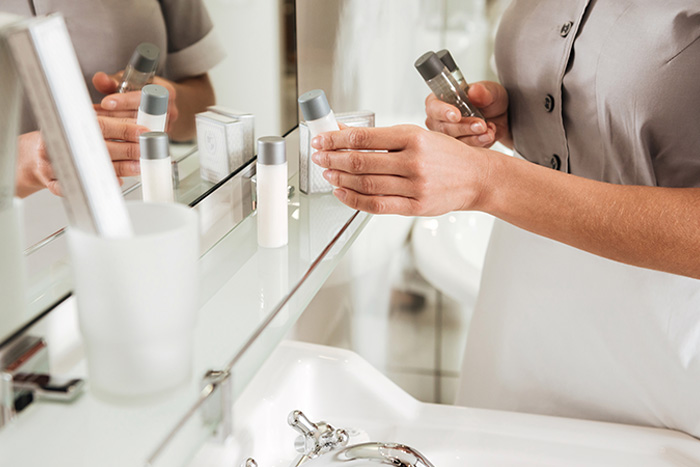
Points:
x=141, y=68
x=319, y=119
x=446, y=57
x=153, y=110
x=444, y=85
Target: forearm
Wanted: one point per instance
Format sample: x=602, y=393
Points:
x=651, y=227
x=193, y=95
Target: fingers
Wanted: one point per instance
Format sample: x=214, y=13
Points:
x=120, y=129
x=391, y=138
x=104, y=83
x=361, y=162
x=491, y=98
x=370, y=184
x=441, y=111
x=123, y=114
x=126, y=169
x=121, y=102
x=378, y=204
x=123, y=151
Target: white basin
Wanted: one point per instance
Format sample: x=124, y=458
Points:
x=449, y=251
x=339, y=387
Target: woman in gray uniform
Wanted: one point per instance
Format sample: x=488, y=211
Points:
x=601, y=100
x=105, y=34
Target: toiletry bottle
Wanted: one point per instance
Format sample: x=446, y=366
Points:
x=156, y=172
x=141, y=68
x=272, y=192
x=153, y=109
x=317, y=113
x=443, y=84
x=446, y=57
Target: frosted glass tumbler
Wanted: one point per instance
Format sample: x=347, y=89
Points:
x=137, y=301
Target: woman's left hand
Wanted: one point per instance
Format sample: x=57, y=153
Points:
x=402, y=170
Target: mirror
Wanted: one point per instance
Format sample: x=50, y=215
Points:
x=257, y=76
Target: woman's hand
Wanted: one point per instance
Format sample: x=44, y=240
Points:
x=187, y=97
x=34, y=170
x=126, y=105
x=491, y=98
x=423, y=173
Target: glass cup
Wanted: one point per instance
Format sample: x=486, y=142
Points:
x=137, y=301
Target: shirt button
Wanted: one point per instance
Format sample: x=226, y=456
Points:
x=565, y=29
x=555, y=162
x=549, y=103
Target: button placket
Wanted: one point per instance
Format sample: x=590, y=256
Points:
x=566, y=29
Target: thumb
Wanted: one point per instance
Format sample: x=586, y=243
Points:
x=105, y=83
x=490, y=97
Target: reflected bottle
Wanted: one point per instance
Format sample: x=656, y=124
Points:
x=156, y=171
x=141, y=68
x=153, y=110
x=444, y=85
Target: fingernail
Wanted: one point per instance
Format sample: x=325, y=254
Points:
x=316, y=158
x=327, y=175
x=452, y=116
x=340, y=194
x=486, y=138
x=137, y=168
x=110, y=104
x=317, y=142
x=478, y=127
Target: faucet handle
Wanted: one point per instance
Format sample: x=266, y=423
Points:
x=316, y=438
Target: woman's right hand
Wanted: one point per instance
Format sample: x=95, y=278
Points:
x=491, y=98
x=34, y=170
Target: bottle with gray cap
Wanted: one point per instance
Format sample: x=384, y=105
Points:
x=317, y=112
x=153, y=110
x=446, y=57
x=141, y=68
x=156, y=172
x=443, y=84
x=272, y=192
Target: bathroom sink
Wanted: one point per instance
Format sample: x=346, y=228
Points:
x=449, y=251
x=339, y=387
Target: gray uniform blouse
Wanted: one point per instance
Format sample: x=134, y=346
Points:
x=605, y=89
x=106, y=32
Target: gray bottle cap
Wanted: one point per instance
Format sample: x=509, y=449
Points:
x=154, y=145
x=154, y=99
x=446, y=57
x=314, y=105
x=145, y=57
x=429, y=65
x=271, y=150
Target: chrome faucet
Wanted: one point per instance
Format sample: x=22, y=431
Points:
x=315, y=438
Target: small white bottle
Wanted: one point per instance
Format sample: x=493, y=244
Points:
x=272, y=192
x=153, y=110
x=317, y=112
x=156, y=171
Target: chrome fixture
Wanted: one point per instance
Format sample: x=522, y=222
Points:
x=367, y=454
x=25, y=378
x=315, y=439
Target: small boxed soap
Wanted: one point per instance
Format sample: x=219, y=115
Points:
x=248, y=120
x=221, y=145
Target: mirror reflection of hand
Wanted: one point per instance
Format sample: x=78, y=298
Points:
x=34, y=170
x=492, y=100
x=126, y=105
x=424, y=173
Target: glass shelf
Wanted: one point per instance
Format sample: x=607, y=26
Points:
x=243, y=288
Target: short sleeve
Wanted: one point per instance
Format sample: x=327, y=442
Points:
x=193, y=48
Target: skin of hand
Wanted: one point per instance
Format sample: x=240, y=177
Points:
x=427, y=173
x=491, y=98
x=186, y=98
x=34, y=171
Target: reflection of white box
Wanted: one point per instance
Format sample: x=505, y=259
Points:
x=310, y=175
x=248, y=127
x=221, y=145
